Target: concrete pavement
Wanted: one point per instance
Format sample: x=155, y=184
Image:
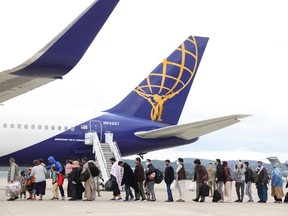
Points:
x=103, y=206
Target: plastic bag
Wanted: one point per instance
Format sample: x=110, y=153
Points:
x=174, y=185
x=109, y=185
x=13, y=189
x=192, y=186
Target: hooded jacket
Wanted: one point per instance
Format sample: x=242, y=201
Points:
x=57, y=164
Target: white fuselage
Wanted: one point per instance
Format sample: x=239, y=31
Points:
x=22, y=128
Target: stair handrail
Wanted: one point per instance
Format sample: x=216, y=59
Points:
x=117, y=151
x=113, y=145
x=99, y=156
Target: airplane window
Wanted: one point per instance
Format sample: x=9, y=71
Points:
x=19, y=126
x=52, y=127
x=25, y=126
x=46, y=127
x=72, y=129
x=11, y=125
x=33, y=127
x=39, y=127
x=59, y=128
x=65, y=128
x=5, y=125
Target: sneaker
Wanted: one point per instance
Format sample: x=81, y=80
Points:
x=143, y=200
x=131, y=199
x=195, y=200
x=237, y=200
x=136, y=200
x=63, y=197
x=220, y=201
x=250, y=201
x=201, y=201
x=153, y=200
x=11, y=199
x=180, y=200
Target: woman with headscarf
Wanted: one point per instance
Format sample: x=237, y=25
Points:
x=73, y=181
x=277, y=184
x=90, y=188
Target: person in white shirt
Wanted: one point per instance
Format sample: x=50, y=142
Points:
x=39, y=171
x=180, y=179
x=116, y=179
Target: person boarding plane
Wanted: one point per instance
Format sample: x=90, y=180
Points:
x=145, y=120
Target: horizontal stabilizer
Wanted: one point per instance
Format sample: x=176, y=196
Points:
x=191, y=130
x=274, y=160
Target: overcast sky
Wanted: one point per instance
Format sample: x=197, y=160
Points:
x=243, y=71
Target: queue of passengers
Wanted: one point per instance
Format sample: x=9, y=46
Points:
x=218, y=180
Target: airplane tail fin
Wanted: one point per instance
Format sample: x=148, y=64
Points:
x=62, y=53
x=274, y=160
x=161, y=96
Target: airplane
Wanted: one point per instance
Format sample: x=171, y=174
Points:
x=145, y=120
x=283, y=168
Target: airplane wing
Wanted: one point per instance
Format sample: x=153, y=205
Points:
x=191, y=130
x=60, y=55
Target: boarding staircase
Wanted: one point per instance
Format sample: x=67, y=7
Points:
x=103, y=151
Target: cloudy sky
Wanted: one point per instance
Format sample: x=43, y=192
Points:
x=243, y=71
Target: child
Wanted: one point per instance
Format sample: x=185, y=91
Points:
x=30, y=186
x=23, y=181
x=54, y=176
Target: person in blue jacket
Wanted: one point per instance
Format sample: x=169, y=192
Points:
x=60, y=171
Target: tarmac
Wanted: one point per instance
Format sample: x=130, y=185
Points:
x=104, y=206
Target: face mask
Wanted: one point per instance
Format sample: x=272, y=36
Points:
x=259, y=166
x=147, y=163
x=166, y=165
x=178, y=163
x=215, y=164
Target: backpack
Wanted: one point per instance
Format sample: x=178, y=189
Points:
x=94, y=170
x=254, y=177
x=84, y=176
x=158, y=176
x=231, y=174
x=216, y=196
